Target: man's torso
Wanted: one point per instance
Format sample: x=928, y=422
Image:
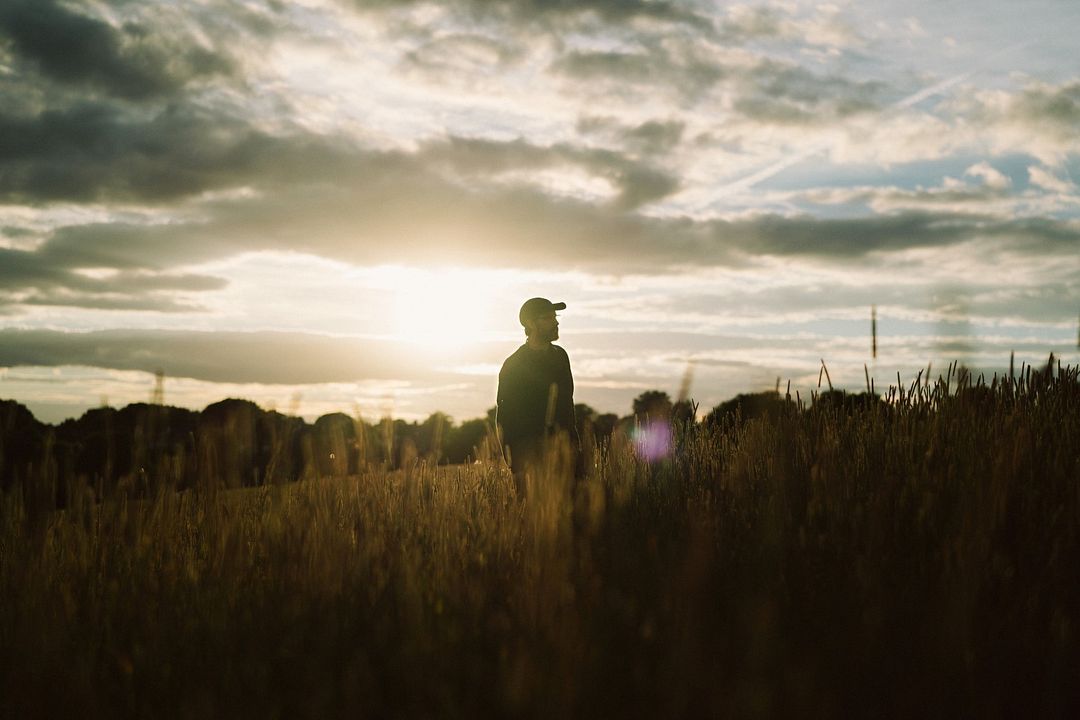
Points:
x=529, y=407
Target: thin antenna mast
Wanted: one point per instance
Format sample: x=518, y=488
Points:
x=873, y=331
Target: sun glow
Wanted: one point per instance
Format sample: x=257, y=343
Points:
x=447, y=308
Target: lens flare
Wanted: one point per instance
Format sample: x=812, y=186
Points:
x=652, y=440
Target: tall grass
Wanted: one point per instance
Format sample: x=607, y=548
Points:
x=911, y=557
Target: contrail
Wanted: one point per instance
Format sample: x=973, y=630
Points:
x=784, y=163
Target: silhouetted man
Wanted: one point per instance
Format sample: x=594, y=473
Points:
x=536, y=390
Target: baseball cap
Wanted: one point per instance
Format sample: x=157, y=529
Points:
x=535, y=307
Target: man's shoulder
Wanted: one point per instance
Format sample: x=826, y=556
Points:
x=515, y=357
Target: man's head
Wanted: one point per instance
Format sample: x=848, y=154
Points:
x=537, y=316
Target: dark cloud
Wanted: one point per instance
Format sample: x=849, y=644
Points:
x=122, y=246
x=637, y=183
x=13, y=231
x=656, y=136
x=98, y=151
x=422, y=220
x=770, y=91
x=611, y=65
x=977, y=199
x=595, y=124
x=1053, y=109
x=619, y=11
x=653, y=137
x=1040, y=119
x=236, y=357
x=20, y=268
x=851, y=238
x=654, y=67
x=785, y=94
x=91, y=301
x=1040, y=236
x=464, y=41
x=132, y=61
x=48, y=278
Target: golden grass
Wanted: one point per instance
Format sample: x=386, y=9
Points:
x=912, y=557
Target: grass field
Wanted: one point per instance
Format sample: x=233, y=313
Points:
x=914, y=557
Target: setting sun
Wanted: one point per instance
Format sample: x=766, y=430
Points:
x=441, y=308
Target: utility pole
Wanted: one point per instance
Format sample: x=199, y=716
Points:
x=873, y=331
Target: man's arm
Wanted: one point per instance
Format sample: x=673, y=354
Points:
x=506, y=401
x=570, y=419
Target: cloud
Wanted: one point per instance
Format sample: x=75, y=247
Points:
x=235, y=357
x=826, y=26
x=744, y=23
x=992, y=177
x=48, y=278
x=131, y=61
x=1043, y=178
x=1054, y=109
x=757, y=88
x=786, y=94
x=673, y=68
x=922, y=287
x=562, y=11
x=953, y=196
x=424, y=221
x=652, y=137
x=452, y=200
x=97, y=151
x=1040, y=119
x=480, y=160
x=461, y=55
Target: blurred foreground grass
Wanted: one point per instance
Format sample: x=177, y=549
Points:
x=915, y=557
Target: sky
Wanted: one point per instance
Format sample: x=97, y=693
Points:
x=340, y=205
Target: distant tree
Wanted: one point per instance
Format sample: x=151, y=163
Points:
x=583, y=418
x=604, y=425
x=398, y=441
x=652, y=403
x=97, y=447
x=334, y=445
x=227, y=443
x=432, y=436
x=384, y=439
x=21, y=442
x=683, y=411
x=591, y=423
x=462, y=441
x=844, y=401
x=282, y=447
x=141, y=444
x=748, y=406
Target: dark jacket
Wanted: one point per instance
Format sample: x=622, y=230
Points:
x=535, y=400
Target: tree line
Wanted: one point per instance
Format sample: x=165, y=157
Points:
x=235, y=443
